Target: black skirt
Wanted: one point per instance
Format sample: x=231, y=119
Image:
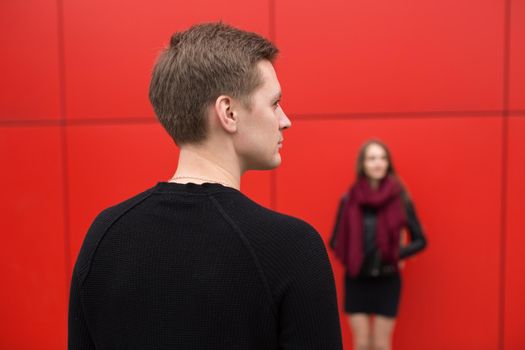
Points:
x=373, y=295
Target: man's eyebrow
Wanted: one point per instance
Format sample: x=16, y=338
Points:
x=277, y=96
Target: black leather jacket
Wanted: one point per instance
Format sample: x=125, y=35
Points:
x=372, y=264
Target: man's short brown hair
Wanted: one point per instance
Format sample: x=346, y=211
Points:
x=200, y=64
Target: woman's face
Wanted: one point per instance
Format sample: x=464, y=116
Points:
x=376, y=163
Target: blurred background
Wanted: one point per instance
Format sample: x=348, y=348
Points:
x=442, y=82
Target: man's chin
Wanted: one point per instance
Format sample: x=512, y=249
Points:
x=276, y=162
x=269, y=165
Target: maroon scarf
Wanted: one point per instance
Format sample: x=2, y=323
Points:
x=390, y=220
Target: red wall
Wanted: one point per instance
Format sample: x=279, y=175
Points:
x=441, y=81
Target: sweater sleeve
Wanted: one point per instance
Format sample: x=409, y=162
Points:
x=78, y=333
x=308, y=312
x=417, y=238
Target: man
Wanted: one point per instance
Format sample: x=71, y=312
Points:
x=192, y=263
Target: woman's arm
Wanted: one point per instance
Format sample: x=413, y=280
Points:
x=417, y=238
x=337, y=222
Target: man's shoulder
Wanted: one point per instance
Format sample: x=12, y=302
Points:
x=102, y=223
x=293, y=225
x=246, y=208
x=109, y=215
x=261, y=223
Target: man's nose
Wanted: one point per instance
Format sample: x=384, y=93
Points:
x=284, y=122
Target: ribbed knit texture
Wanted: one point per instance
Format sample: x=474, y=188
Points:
x=201, y=267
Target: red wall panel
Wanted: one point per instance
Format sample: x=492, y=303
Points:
x=110, y=163
x=29, y=83
x=517, y=55
x=452, y=167
x=515, y=240
x=33, y=296
x=111, y=47
x=391, y=56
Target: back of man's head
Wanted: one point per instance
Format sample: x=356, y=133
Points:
x=199, y=65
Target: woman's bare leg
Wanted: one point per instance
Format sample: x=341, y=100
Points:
x=360, y=324
x=382, y=332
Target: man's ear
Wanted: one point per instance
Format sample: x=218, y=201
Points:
x=226, y=114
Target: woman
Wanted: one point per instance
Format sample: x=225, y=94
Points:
x=367, y=240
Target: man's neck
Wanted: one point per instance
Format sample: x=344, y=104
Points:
x=198, y=165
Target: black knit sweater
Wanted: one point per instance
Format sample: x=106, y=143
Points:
x=201, y=267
